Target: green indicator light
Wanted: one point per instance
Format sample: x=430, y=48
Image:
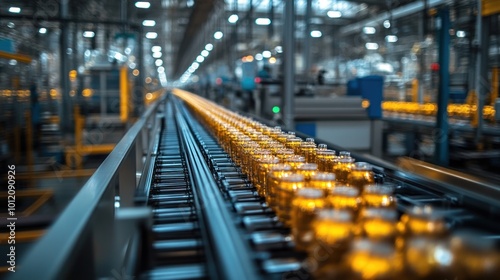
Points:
x=276, y=109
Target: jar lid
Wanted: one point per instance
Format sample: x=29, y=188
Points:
x=384, y=213
x=427, y=212
x=362, y=166
x=293, y=178
x=344, y=154
x=310, y=193
x=345, y=191
x=322, y=146
x=308, y=167
x=335, y=215
x=323, y=176
x=310, y=140
x=280, y=167
x=295, y=158
x=379, y=189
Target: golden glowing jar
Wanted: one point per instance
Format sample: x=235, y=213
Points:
x=476, y=257
x=282, y=154
x=378, y=196
x=264, y=165
x=254, y=163
x=345, y=198
x=276, y=172
x=361, y=175
x=428, y=258
x=294, y=161
x=285, y=195
x=378, y=224
x=374, y=260
x=247, y=151
x=423, y=221
x=308, y=150
x=342, y=168
x=333, y=232
x=322, y=158
x=308, y=170
x=323, y=180
x=305, y=207
x=293, y=143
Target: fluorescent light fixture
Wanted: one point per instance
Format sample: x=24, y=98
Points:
x=11, y=25
x=218, y=35
x=161, y=69
x=316, y=34
x=369, y=30
x=195, y=65
x=387, y=23
x=142, y=5
x=158, y=62
x=200, y=58
x=204, y=53
x=156, y=49
x=334, y=14
x=279, y=49
x=233, y=18
x=148, y=22
x=15, y=10
x=157, y=54
x=209, y=47
x=262, y=21
x=371, y=46
x=460, y=33
x=391, y=38
x=266, y=54
x=272, y=60
x=258, y=56
x=42, y=30
x=13, y=62
x=151, y=35
x=88, y=34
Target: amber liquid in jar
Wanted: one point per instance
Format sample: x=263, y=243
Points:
x=423, y=221
x=379, y=196
x=305, y=206
x=294, y=161
x=308, y=170
x=322, y=158
x=285, y=195
x=263, y=165
x=378, y=224
x=361, y=175
x=276, y=172
x=323, y=180
x=345, y=198
x=342, y=168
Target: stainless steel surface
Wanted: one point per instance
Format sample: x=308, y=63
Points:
x=289, y=64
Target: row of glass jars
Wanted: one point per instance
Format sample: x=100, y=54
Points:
x=348, y=226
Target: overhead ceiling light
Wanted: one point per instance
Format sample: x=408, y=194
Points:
x=161, y=69
x=158, y=62
x=218, y=35
x=272, y=60
x=148, y=22
x=316, y=34
x=233, y=18
x=460, y=33
x=156, y=49
x=11, y=24
x=266, y=54
x=88, y=34
x=15, y=10
x=387, y=23
x=42, y=30
x=195, y=65
x=13, y=62
x=391, y=38
x=262, y=21
x=371, y=46
x=369, y=30
x=209, y=47
x=151, y=35
x=258, y=56
x=142, y=5
x=200, y=58
x=157, y=54
x=334, y=14
x=204, y=53
x=279, y=49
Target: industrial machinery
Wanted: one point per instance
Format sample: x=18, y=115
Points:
x=171, y=202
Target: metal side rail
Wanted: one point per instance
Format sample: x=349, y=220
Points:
x=267, y=241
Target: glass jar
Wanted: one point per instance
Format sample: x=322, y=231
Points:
x=254, y=162
x=308, y=170
x=285, y=195
x=305, y=206
x=322, y=157
x=293, y=143
x=294, y=161
x=323, y=180
x=379, y=196
x=263, y=168
x=423, y=221
x=378, y=224
x=361, y=175
x=342, y=168
x=345, y=198
x=308, y=150
x=333, y=232
x=276, y=172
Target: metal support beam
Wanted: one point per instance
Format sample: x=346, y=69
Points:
x=482, y=81
x=289, y=63
x=441, y=153
x=307, y=39
x=66, y=108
